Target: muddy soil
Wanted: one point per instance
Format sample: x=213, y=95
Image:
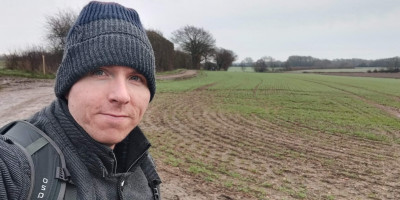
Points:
x=21, y=97
x=287, y=160
x=182, y=75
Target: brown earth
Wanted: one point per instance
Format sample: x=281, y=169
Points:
x=182, y=75
x=288, y=160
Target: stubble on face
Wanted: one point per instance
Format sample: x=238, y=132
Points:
x=109, y=104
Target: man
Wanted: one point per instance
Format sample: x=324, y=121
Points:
x=103, y=87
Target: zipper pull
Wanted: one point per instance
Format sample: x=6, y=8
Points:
x=153, y=185
x=156, y=194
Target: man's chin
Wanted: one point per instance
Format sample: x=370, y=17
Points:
x=111, y=141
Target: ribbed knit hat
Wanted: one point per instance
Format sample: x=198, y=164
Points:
x=105, y=34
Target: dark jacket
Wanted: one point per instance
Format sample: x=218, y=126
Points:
x=97, y=171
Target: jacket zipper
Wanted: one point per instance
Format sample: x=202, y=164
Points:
x=152, y=186
x=114, y=170
x=154, y=189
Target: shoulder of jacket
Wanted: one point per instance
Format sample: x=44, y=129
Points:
x=15, y=170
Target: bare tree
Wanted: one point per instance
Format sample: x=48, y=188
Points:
x=246, y=62
x=209, y=55
x=224, y=58
x=269, y=61
x=260, y=65
x=58, y=26
x=395, y=65
x=210, y=66
x=195, y=41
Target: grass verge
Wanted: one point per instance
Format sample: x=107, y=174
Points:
x=25, y=74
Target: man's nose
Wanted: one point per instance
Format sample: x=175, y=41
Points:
x=119, y=91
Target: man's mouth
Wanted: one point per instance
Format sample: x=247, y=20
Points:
x=115, y=115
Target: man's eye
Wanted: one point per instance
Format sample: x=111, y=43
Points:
x=136, y=78
x=98, y=72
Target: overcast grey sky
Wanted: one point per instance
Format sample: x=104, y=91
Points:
x=330, y=29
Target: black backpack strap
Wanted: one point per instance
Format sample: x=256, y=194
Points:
x=70, y=192
x=50, y=174
x=149, y=170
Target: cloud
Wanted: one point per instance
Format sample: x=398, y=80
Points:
x=254, y=28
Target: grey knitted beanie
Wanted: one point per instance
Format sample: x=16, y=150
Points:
x=105, y=34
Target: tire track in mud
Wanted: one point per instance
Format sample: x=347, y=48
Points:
x=265, y=151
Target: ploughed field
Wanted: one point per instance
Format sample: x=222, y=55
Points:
x=229, y=135
x=279, y=136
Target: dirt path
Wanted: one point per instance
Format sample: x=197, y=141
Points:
x=183, y=75
x=21, y=97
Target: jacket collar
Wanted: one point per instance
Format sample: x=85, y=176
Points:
x=130, y=151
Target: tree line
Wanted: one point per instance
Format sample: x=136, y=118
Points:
x=196, y=49
x=268, y=63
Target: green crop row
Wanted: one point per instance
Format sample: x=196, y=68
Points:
x=364, y=107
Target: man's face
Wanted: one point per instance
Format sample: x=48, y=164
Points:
x=109, y=102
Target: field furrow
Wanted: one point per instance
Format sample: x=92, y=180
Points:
x=281, y=138
x=276, y=154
